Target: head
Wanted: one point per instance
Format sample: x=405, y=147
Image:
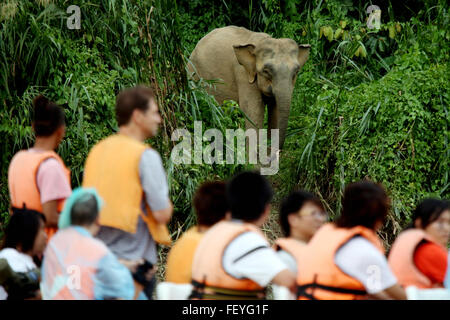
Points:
x=84, y=211
x=433, y=216
x=26, y=232
x=210, y=203
x=301, y=215
x=274, y=65
x=365, y=204
x=249, y=195
x=49, y=120
x=137, y=107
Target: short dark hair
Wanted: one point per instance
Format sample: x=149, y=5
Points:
x=248, y=194
x=22, y=229
x=210, y=202
x=292, y=204
x=364, y=203
x=429, y=210
x=85, y=211
x=129, y=100
x=48, y=116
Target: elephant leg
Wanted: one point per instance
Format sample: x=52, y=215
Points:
x=253, y=107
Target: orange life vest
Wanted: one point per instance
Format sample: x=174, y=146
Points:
x=179, y=259
x=209, y=278
x=22, y=181
x=292, y=246
x=319, y=277
x=401, y=259
x=67, y=253
x=112, y=167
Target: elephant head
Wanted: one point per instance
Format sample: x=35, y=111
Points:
x=274, y=64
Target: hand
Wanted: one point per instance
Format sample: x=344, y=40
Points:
x=151, y=272
x=131, y=264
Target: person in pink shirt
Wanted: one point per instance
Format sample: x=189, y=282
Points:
x=38, y=179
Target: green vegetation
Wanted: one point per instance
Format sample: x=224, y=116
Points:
x=369, y=103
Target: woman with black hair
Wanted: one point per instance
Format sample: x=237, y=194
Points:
x=37, y=178
x=345, y=259
x=419, y=254
x=301, y=215
x=24, y=239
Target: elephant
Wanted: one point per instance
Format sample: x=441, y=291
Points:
x=255, y=69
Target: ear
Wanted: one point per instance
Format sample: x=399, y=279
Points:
x=136, y=115
x=418, y=223
x=246, y=57
x=292, y=219
x=303, y=53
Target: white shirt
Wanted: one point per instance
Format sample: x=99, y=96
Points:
x=250, y=256
x=288, y=260
x=19, y=262
x=361, y=260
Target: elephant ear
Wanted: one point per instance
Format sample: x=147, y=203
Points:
x=303, y=53
x=246, y=57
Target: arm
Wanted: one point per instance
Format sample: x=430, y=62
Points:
x=396, y=292
x=286, y=279
x=361, y=260
x=50, y=211
x=250, y=256
x=164, y=215
x=431, y=259
x=154, y=183
x=113, y=280
x=53, y=188
x=447, y=276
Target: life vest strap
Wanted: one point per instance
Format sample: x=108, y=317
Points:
x=201, y=291
x=301, y=290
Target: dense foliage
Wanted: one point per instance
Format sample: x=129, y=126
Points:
x=369, y=102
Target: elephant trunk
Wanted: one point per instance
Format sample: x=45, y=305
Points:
x=280, y=114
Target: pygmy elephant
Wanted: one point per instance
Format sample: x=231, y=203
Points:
x=256, y=70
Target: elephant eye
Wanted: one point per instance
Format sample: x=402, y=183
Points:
x=267, y=73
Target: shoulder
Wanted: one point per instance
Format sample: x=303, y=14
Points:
x=18, y=261
x=245, y=244
x=359, y=242
x=95, y=245
x=150, y=155
x=249, y=238
x=358, y=254
x=9, y=253
x=50, y=164
x=359, y=248
x=190, y=238
x=99, y=245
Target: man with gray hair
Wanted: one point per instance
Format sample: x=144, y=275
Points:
x=77, y=266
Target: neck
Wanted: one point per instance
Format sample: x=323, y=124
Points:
x=133, y=132
x=92, y=228
x=202, y=228
x=29, y=253
x=299, y=236
x=45, y=143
